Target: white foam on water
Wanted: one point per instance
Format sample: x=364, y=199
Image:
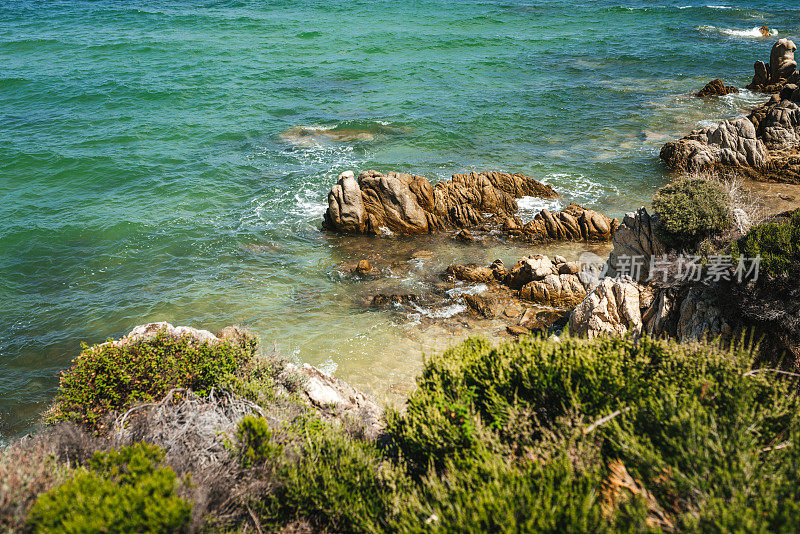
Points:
x=441, y=313
x=529, y=207
x=754, y=33
x=468, y=290
x=712, y=6
x=578, y=188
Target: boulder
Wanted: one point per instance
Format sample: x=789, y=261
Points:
x=555, y=290
x=150, y=330
x=573, y=223
x=613, y=307
x=699, y=317
x=471, y=272
x=407, y=204
x=716, y=88
x=335, y=399
x=782, y=68
x=484, y=305
x=635, y=243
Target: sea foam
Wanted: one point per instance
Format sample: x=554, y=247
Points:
x=754, y=33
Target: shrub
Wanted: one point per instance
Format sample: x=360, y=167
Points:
x=122, y=491
x=691, y=210
x=26, y=471
x=772, y=303
x=112, y=377
x=255, y=441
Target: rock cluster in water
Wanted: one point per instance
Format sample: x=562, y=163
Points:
x=763, y=145
x=781, y=69
x=717, y=88
x=407, y=204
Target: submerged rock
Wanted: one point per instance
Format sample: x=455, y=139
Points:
x=716, y=88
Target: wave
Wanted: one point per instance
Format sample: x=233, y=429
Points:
x=754, y=33
x=529, y=207
x=354, y=131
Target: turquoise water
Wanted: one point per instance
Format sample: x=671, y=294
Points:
x=169, y=160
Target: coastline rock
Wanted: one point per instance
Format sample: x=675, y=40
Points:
x=407, y=204
x=716, y=88
x=614, y=307
x=484, y=305
x=782, y=68
x=150, y=330
x=573, y=223
x=763, y=145
x=536, y=278
x=335, y=399
x=635, y=238
x=699, y=318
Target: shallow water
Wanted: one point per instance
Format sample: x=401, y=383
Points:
x=169, y=160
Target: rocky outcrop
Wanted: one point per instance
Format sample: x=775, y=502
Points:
x=781, y=69
x=614, y=307
x=335, y=399
x=408, y=204
x=763, y=145
x=635, y=244
x=573, y=223
x=716, y=88
x=536, y=279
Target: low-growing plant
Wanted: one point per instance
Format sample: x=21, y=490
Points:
x=691, y=210
x=125, y=490
x=255, y=441
x=113, y=376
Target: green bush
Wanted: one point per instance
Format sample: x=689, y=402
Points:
x=778, y=244
x=691, y=210
x=512, y=438
x=122, y=491
x=113, y=377
x=255, y=441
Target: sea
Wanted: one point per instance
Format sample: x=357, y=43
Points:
x=169, y=160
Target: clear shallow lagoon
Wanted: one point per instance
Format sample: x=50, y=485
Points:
x=170, y=160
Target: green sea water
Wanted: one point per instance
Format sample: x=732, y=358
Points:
x=170, y=160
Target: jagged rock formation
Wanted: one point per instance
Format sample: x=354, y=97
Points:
x=781, y=69
x=763, y=145
x=635, y=238
x=716, y=88
x=408, y=204
x=573, y=223
x=614, y=307
x=536, y=279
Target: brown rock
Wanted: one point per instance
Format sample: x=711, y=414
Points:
x=513, y=311
x=570, y=267
x=716, y=88
x=471, y=273
x=574, y=223
x=465, y=236
x=516, y=330
x=363, y=267
x=486, y=306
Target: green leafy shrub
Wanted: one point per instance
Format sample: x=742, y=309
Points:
x=777, y=242
x=691, y=210
x=255, y=441
x=772, y=303
x=123, y=490
x=112, y=377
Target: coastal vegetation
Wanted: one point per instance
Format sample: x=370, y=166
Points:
x=692, y=209
x=544, y=435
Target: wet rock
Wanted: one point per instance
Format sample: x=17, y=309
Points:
x=499, y=270
x=465, y=236
x=529, y=269
x=471, y=272
x=384, y=300
x=541, y=319
x=716, y=88
x=363, y=267
x=407, y=204
x=513, y=311
x=485, y=305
